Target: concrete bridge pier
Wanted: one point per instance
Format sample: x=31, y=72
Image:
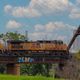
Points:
x=13, y=69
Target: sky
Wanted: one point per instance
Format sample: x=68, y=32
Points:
x=43, y=19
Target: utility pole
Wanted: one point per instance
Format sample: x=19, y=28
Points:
x=26, y=35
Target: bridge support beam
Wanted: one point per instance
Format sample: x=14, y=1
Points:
x=13, y=69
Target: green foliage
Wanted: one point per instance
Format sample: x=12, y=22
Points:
x=25, y=69
x=36, y=69
x=77, y=55
x=12, y=35
x=1, y=35
x=2, y=68
x=47, y=68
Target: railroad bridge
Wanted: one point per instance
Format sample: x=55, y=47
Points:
x=13, y=60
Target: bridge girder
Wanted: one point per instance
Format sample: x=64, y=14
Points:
x=77, y=33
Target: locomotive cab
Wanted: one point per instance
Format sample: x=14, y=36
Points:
x=15, y=46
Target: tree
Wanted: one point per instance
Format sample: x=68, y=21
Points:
x=2, y=68
x=25, y=69
x=47, y=68
x=14, y=36
x=37, y=69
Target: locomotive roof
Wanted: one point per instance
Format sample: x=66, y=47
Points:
x=47, y=41
x=15, y=41
x=40, y=41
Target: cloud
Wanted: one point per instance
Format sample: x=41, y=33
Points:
x=50, y=6
x=54, y=25
x=8, y=8
x=50, y=31
x=75, y=10
x=78, y=2
x=25, y=12
x=12, y=24
x=46, y=36
x=51, y=26
x=61, y=37
x=37, y=8
x=21, y=11
x=37, y=35
x=75, y=13
x=39, y=27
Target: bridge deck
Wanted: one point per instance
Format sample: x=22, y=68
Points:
x=34, y=57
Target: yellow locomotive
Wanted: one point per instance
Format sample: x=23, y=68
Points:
x=45, y=45
x=37, y=49
x=33, y=46
x=36, y=46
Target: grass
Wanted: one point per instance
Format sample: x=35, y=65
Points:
x=10, y=77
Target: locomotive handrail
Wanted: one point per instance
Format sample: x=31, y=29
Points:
x=74, y=37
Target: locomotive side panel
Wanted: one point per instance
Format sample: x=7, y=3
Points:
x=62, y=47
x=49, y=46
x=34, y=46
x=44, y=46
x=1, y=48
x=15, y=46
